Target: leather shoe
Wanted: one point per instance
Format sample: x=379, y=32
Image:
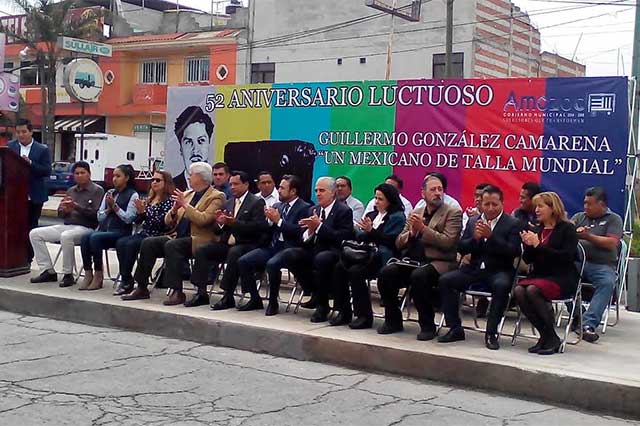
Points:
x=227, y=302
x=311, y=303
x=453, y=335
x=551, y=346
x=389, y=328
x=343, y=318
x=176, y=298
x=426, y=335
x=125, y=287
x=45, y=277
x=139, y=293
x=320, y=314
x=253, y=304
x=272, y=309
x=67, y=280
x=360, y=323
x=198, y=300
x=492, y=341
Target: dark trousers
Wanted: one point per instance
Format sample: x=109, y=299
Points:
x=92, y=245
x=354, y=276
x=214, y=253
x=452, y=283
x=314, y=271
x=175, y=252
x=127, y=249
x=268, y=259
x=34, y=212
x=423, y=282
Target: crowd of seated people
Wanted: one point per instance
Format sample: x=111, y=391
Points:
x=434, y=252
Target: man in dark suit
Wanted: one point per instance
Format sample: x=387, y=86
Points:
x=39, y=159
x=242, y=228
x=492, y=240
x=327, y=225
x=285, y=233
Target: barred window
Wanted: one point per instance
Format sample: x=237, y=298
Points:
x=197, y=70
x=154, y=72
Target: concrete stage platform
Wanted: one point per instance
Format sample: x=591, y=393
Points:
x=602, y=377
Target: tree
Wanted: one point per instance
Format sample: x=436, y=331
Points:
x=46, y=20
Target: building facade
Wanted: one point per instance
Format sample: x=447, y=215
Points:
x=336, y=40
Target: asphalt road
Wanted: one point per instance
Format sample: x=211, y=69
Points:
x=56, y=373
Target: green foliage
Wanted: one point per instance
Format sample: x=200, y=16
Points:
x=635, y=244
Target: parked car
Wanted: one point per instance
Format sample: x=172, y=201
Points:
x=61, y=177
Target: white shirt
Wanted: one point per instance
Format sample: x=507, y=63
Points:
x=408, y=207
x=492, y=224
x=327, y=211
x=447, y=200
x=356, y=207
x=25, y=150
x=270, y=199
x=377, y=221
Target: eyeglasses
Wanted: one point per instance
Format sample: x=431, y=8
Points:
x=156, y=180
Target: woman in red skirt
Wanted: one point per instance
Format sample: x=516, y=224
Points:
x=551, y=252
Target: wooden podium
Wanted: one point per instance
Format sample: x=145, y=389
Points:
x=14, y=222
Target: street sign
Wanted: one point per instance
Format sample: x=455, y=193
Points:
x=85, y=46
x=83, y=80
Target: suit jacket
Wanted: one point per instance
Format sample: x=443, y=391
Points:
x=291, y=231
x=439, y=238
x=201, y=216
x=499, y=251
x=40, y=168
x=337, y=227
x=250, y=226
x=556, y=259
x=386, y=234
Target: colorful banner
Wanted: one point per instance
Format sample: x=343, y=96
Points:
x=566, y=133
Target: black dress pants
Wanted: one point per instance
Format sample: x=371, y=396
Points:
x=175, y=252
x=423, y=282
x=214, y=253
x=314, y=271
x=452, y=283
x=354, y=276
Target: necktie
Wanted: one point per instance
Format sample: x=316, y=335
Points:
x=285, y=210
x=236, y=209
x=278, y=235
x=322, y=215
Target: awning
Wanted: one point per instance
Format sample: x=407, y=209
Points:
x=74, y=124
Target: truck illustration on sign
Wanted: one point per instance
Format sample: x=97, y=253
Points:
x=85, y=80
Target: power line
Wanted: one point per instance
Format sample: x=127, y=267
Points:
x=586, y=2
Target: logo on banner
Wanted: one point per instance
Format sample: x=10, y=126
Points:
x=602, y=102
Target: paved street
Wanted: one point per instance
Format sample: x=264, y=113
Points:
x=55, y=373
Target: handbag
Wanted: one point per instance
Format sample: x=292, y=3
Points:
x=357, y=252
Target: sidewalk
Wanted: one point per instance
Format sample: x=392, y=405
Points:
x=601, y=377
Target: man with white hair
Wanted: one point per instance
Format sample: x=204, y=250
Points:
x=329, y=223
x=191, y=219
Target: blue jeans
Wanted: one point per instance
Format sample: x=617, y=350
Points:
x=603, y=278
x=92, y=244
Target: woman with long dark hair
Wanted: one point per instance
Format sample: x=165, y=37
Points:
x=381, y=226
x=115, y=217
x=150, y=214
x=551, y=253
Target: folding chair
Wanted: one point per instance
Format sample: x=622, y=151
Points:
x=480, y=290
x=620, y=288
x=575, y=300
x=76, y=272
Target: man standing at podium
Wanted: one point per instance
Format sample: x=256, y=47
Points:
x=39, y=159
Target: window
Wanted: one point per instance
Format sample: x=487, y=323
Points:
x=131, y=156
x=97, y=155
x=457, y=65
x=153, y=72
x=339, y=61
x=197, y=70
x=363, y=60
x=29, y=75
x=263, y=73
x=8, y=66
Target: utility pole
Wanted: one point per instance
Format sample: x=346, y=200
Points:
x=635, y=72
x=387, y=74
x=448, y=68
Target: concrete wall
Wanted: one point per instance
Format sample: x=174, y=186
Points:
x=298, y=61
